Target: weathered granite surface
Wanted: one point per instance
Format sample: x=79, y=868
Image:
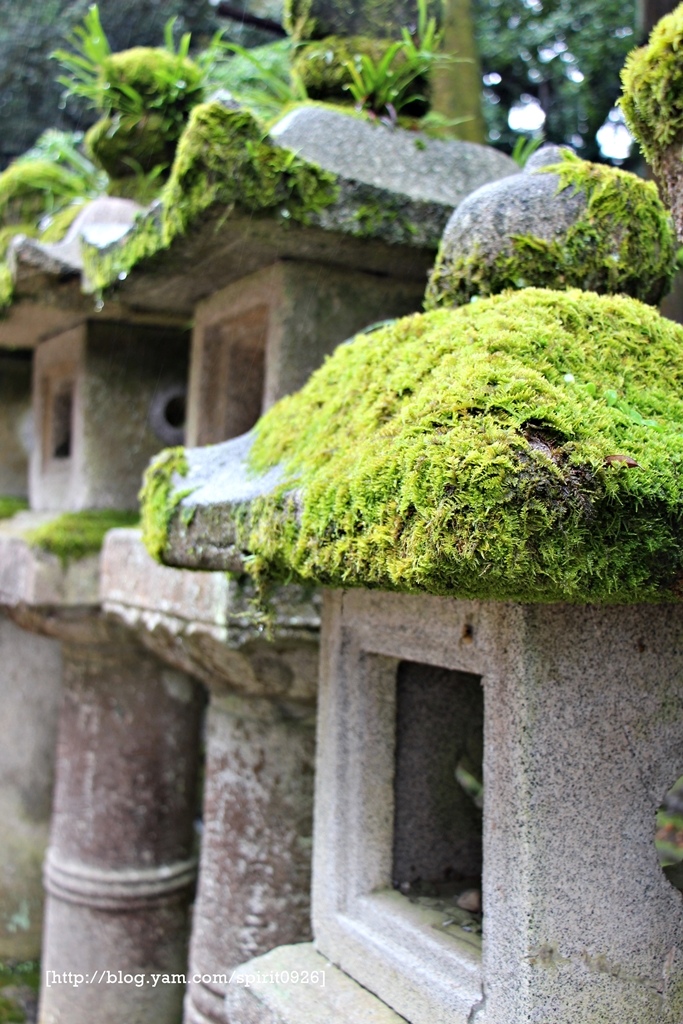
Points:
x=394, y=193
x=34, y=578
x=218, y=480
x=29, y=697
x=262, y=992
x=204, y=624
x=411, y=164
x=519, y=205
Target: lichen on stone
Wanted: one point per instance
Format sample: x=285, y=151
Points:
x=622, y=242
x=652, y=80
x=527, y=447
x=75, y=535
x=159, y=497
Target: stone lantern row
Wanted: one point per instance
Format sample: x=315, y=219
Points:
x=569, y=715
x=152, y=665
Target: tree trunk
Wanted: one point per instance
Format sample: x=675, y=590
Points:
x=456, y=88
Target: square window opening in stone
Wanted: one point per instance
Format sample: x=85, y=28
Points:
x=232, y=375
x=60, y=420
x=438, y=793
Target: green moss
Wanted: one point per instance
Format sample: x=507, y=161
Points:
x=147, y=94
x=623, y=242
x=126, y=146
x=75, y=535
x=9, y=231
x=484, y=452
x=160, y=79
x=57, y=225
x=103, y=268
x=9, y=506
x=6, y=286
x=143, y=188
x=652, y=81
x=158, y=499
x=25, y=184
x=10, y=1011
x=224, y=158
x=15, y=976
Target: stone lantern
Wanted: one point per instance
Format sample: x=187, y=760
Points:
x=500, y=539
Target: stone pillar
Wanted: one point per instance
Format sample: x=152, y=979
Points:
x=583, y=738
x=29, y=698
x=254, y=879
x=120, y=870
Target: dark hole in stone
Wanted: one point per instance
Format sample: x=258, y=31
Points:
x=62, y=410
x=438, y=793
x=669, y=834
x=174, y=411
x=167, y=414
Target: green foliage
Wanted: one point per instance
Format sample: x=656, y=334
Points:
x=565, y=54
x=525, y=147
x=317, y=19
x=47, y=186
x=134, y=81
x=478, y=453
x=389, y=82
x=263, y=78
x=91, y=49
x=322, y=66
x=623, y=242
x=145, y=95
x=24, y=975
x=652, y=99
x=158, y=499
x=10, y=1012
x=75, y=535
x=32, y=189
x=42, y=192
x=9, y=506
x=6, y=287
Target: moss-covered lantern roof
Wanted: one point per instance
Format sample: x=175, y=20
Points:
x=320, y=184
x=528, y=446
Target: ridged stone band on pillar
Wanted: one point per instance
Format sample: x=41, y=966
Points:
x=116, y=889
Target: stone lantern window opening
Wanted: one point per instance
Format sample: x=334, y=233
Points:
x=232, y=374
x=669, y=834
x=437, y=846
x=397, y=840
x=59, y=410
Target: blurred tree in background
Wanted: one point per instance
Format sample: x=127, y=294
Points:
x=552, y=65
